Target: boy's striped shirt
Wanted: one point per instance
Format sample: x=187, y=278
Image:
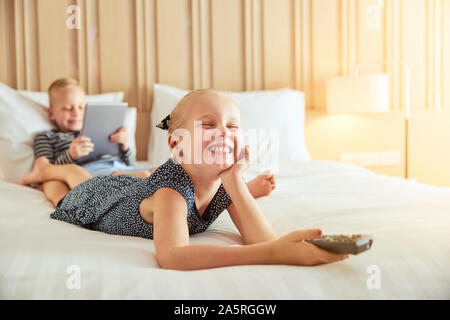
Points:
x=55, y=145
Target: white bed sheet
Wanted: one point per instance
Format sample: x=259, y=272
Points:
x=410, y=221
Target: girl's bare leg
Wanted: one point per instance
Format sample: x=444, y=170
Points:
x=55, y=190
x=43, y=170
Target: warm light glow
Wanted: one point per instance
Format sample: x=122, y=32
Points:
x=365, y=93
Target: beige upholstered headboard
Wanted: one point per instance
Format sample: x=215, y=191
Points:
x=112, y=45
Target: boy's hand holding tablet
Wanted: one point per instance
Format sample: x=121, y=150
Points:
x=83, y=146
x=120, y=137
x=80, y=146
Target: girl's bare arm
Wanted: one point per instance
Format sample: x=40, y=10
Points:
x=173, y=251
x=171, y=237
x=245, y=212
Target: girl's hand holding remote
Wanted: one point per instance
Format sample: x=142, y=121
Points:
x=291, y=249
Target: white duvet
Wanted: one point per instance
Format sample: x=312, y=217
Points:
x=41, y=258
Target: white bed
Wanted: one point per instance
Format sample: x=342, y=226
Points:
x=41, y=258
x=411, y=252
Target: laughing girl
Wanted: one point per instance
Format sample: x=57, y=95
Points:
x=183, y=197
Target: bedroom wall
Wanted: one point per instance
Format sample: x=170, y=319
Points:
x=248, y=45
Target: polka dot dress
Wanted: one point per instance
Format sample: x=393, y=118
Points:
x=111, y=203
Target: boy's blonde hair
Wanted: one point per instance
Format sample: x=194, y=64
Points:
x=176, y=116
x=59, y=84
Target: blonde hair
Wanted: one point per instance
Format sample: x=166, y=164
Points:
x=177, y=115
x=59, y=84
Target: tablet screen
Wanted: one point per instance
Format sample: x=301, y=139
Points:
x=100, y=121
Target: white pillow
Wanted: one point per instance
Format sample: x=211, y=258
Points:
x=21, y=117
x=280, y=110
x=42, y=97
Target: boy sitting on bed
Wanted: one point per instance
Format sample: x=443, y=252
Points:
x=65, y=145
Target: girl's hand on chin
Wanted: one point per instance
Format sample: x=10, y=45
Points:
x=241, y=160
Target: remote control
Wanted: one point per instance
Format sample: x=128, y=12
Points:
x=344, y=244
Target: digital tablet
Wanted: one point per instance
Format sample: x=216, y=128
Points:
x=101, y=119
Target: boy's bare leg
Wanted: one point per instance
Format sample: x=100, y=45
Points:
x=55, y=190
x=140, y=174
x=43, y=170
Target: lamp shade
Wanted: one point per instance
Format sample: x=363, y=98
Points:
x=364, y=93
